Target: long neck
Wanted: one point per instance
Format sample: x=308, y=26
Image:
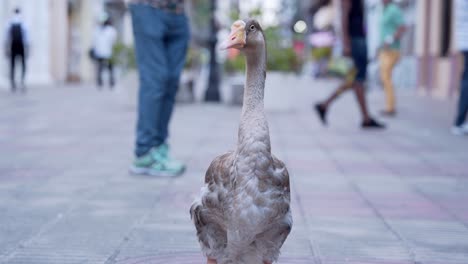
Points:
x=253, y=125
x=255, y=81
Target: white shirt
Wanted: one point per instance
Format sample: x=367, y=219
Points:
x=104, y=40
x=461, y=24
x=16, y=19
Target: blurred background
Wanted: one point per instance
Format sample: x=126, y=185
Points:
x=62, y=34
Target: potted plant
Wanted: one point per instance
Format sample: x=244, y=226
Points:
x=283, y=65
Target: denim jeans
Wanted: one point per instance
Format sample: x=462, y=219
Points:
x=463, y=101
x=161, y=41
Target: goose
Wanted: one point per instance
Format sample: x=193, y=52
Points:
x=243, y=213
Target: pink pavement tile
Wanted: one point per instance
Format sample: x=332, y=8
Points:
x=357, y=261
x=407, y=206
x=363, y=167
x=197, y=258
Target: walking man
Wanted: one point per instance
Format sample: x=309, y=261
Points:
x=391, y=30
x=355, y=46
x=161, y=33
x=104, y=40
x=16, y=47
x=460, y=126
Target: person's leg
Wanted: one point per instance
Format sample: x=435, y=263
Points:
x=322, y=107
x=360, y=93
x=386, y=78
x=149, y=31
x=23, y=71
x=463, y=99
x=359, y=55
x=339, y=90
x=12, y=71
x=388, y=60
x=100, y=67
x=177, y=44
x=110, y=66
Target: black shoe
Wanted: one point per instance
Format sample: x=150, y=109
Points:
x=372, y=124
x=321, y=111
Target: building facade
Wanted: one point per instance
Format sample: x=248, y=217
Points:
x=430, y=62
x=439, y=64
x=60, y=33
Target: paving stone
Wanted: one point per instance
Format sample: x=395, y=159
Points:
x=358, y=197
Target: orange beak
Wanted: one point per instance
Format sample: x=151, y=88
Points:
x=237, y=36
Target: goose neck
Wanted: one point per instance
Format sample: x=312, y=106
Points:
x=255, y=81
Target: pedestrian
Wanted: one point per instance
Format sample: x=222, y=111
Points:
x=322, y=37
x=391, y=30
x=161, y=32
x=104, y=40
x=17, y=47
x=355, y=46
x=460, y=126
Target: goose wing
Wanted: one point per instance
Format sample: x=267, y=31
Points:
x=208, y=212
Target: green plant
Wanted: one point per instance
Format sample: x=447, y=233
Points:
x=193, y=58
x=124, y=56
x=283, y=59
x=280, y=58
x=235, y=64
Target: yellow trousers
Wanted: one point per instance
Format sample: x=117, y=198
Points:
x=388, y=59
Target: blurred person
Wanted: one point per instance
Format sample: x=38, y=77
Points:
x=161, y=34
x=16, y=47
x=355, y=46
x=322, y=37
x=460, y=126
x=105, y=37
x=391, y=30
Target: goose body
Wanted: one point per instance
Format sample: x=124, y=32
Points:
x=242, y=215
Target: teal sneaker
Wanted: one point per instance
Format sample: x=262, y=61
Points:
x=142, y=165
x=157, y=163
x=165, y=163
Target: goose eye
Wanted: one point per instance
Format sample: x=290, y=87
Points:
x=252, y=27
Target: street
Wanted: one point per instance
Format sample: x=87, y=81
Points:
x=398, y=196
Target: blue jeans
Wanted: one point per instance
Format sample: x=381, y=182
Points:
x=161, y=42
x=463, y=101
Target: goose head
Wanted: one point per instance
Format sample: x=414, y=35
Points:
x=246, y=35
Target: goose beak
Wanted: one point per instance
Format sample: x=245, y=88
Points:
x=237, y=36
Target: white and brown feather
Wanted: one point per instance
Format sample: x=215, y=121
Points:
x=243, y=213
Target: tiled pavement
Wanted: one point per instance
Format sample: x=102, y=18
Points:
x=393, y=197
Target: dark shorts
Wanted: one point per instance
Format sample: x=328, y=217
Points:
x=359, y=56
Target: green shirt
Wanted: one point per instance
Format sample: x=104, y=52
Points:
x=392, y=19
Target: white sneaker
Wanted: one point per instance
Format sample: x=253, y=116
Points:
x=458, y=131
x=465, y=128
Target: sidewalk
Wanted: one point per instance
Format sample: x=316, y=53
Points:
x=398, y=196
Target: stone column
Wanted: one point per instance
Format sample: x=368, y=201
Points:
x=5, y=13
x=36, y=17
x=91, y=10
x=58, y=39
